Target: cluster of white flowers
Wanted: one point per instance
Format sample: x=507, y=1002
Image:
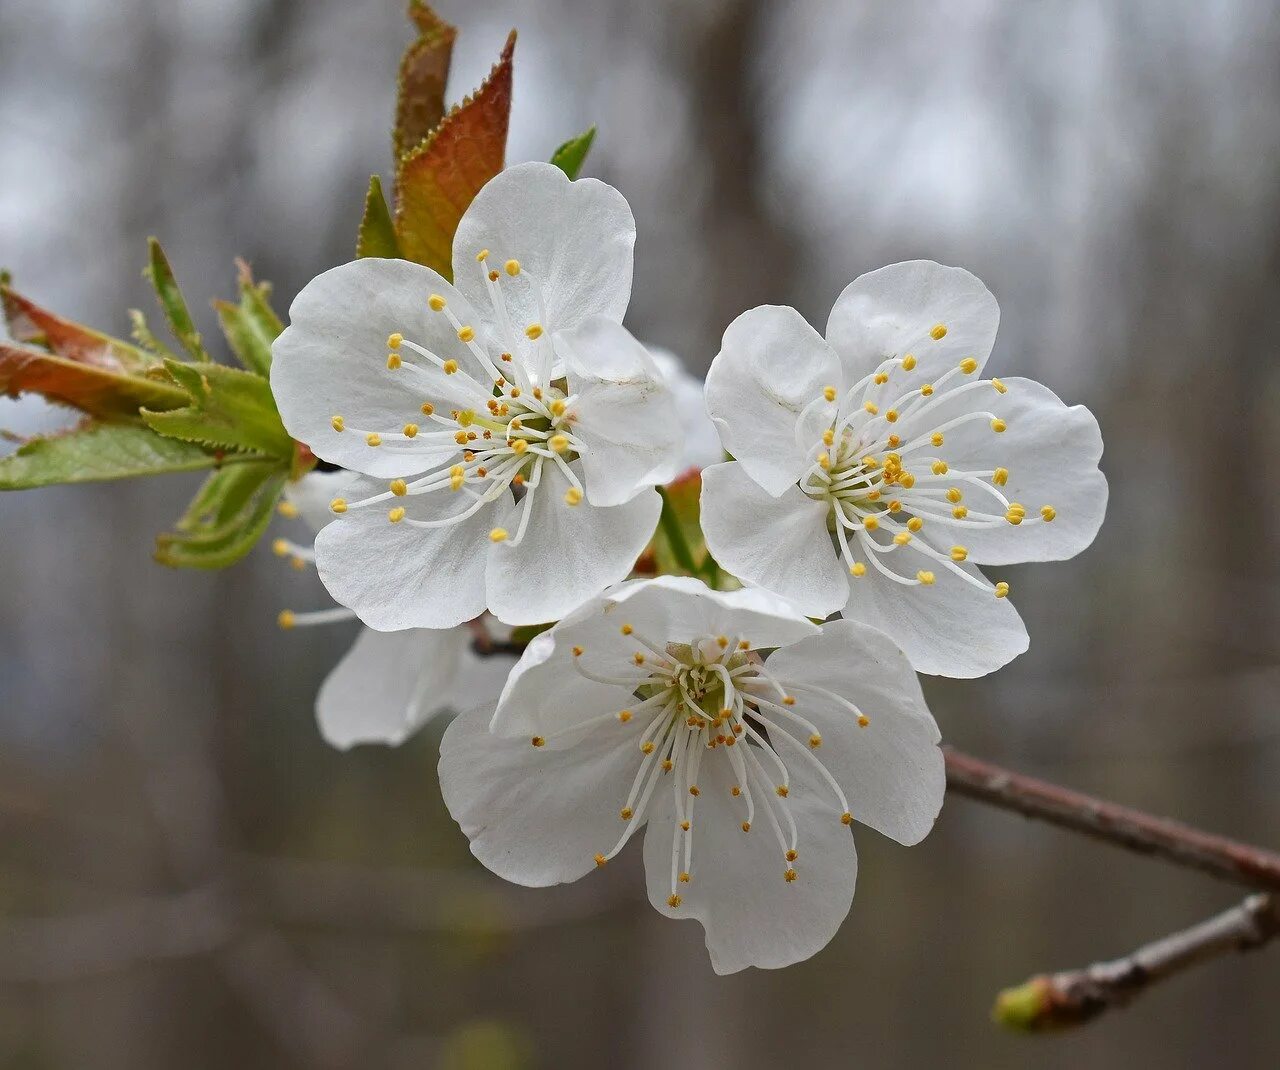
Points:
x=502, y=438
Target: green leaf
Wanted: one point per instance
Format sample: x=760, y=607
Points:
x=160, y=275
x=377, y=236
x=91, y=388
x=140, y=331
x=230, y=409
x=222, y=543
x=255, y=297
x=223, y=495
x=570, y=156
x=96, y=452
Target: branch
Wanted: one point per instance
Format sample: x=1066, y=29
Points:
x=1071, y=998
x=1230, y=860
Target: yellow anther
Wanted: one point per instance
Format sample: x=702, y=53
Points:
x=828, y=437
x=286, y=619
x=533, y=331
x=393, y=361
x=902, y=538
x=573, y=496
x=626, y=813
x=674, y=901
x=959, y=553
x=824, y=461
x=410, y=430
x=647, y=746
x=460, y=437
x=466, y=334
x=396, y=515
x=892, y=416
x=1002, y=589
x=498, y=535
x=465, y=418
x=998, y=425
x=1000, y=477
x=936, y=438
x=926, y=390
x=746, y=826
x=1000, y=387
x=280, y=547
x=559, y=443
x=939, y=468
x=908, y=362
x=457, y=476
x=399, y=488
x=436, y=303
x=829, y=392
x=519, y=446
x=858, y=568
x=667, y=765
x=907, y=480
x=684, y=878
x=782, y=791
x=1014, y=517
x=788, y=700
x=745, y=644
x=624, y=716
x=427, y=408
x=512, y=267
x=557, y=407
x=373, y=438
x=863, y=720
x=815, y=741
x=626, y=629
x=338, y=423
x=870, y=523
x=449, y=367
x=789, y=875
x=685, y=826
x=925, y=577
x=338, y=505
x=735, y=791
x=601, y=860
x=297, y=564
x=954, y=495
x=871, y=407
x=638, y=658
x=287, y=510
x=394, y=339
x=881, y=378
x=846, y=818
x=515, y=392
x=894, y=441
x=722, y=641
x=481, y=257
x=694, y=790
x=938, y=333
x=516, y=425
x=968, y=365
x=577, y=651
x=537, y=392
x=1047, y=513
x=792, y=855
x=915, y=524
x=959, y=512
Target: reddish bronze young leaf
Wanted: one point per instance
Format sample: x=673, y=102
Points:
x=437, y=180
x=423, y=73
x=28, y=322
x=100, y=391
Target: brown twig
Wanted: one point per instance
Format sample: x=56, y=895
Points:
x=1070, y=998
x=1230, y=860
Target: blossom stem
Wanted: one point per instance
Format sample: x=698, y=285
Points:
x=670, y=524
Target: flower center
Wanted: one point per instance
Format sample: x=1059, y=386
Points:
x=519, y=421
x=713, y=694
x=880, y=464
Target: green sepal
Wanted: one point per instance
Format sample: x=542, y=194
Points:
x=94, y=452
x=217, y=545
x=570, y=156
x=377, y=235
x=230, y=409
x=172, y=303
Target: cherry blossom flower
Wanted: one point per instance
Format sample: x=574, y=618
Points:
x=509, y=429
x=652, y=706
x=389, y=684
x=875, y=469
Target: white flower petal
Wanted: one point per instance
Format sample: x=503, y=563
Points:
x=574, y=242
x=312, y=494
x=701, y=442
x=948, y=628
x=891, y=312
x=388, y=685
x=1051, y=452
x=752, y=916
x=891, y=770
x=332, y=361
x=400, y=576
x=626, y=412
x=779, y=543
x=568, y=552
x=771, y=365
x=546, y=695
x=536, y=815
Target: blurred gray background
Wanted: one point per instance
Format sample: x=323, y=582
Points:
x=189, y=877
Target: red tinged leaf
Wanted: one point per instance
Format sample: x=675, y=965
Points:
x=91, y=388
x=437, y=181
x=424, y=70
x=28, y=322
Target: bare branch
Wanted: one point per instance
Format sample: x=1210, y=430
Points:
x=1071, y=998
x=1229, y=860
